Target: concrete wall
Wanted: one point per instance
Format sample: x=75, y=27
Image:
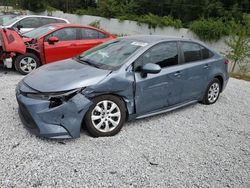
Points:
x=118, y=27
x=126, y=27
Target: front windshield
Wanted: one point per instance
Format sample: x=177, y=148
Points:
x=11, y=21
x=39, y=31
x=111, y=55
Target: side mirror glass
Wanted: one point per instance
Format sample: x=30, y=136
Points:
x=150, y=68
x=53, y=40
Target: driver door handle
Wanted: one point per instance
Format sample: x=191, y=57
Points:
x=206, y=66
x=177, y=74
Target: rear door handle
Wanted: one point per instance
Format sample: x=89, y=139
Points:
x=73, y=45
x=177, y=74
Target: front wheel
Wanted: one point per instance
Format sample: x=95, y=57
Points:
x=212, y=92
x=106, y=116
x=26, y=63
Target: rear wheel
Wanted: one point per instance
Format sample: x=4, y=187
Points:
x=213, y=92
x=25, y=64
x=106, y=116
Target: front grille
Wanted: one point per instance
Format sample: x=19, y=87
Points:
x=29, y=121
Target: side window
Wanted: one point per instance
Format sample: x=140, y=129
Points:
x=64, y=34
x=45, y=21
x=59, y=21
x=29, y=23
x=91, y=34
x=164, y=54
x=206, y=54
x=191, y=52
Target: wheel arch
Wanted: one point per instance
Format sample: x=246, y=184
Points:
x=30, y=50
x=220, y=78
x=112, y=94
x=118, y=96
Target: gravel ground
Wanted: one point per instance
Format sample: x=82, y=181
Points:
x=196, y=146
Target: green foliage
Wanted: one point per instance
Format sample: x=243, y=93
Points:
x=89, y=11
x=50, y=10
x=95, y=23
x=34, y=5
x=154, y=21
x=209, y=19
x=108, y=8
x=210, y=29
x=239, y=46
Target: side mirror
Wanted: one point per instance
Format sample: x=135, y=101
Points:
x=150, y=68
x=53, y=40
x=19, y=27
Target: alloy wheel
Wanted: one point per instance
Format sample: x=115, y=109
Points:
x=106, y=116
x=28, y=64
x=213, y=92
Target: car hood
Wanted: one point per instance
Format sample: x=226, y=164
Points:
x=64, y=76
x=11, y=41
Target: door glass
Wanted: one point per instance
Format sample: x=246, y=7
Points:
x=164, y=54
x=92, y=34
x=64, y=34
x=191, y=51
x=206, y=54
x=29, y=23
x=45, y=21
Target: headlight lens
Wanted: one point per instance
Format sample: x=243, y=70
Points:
x=56, y=99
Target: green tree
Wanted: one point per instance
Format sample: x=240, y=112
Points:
x=239, y=45
x=33, y=5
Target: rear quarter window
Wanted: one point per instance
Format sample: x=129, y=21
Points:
x=91, y=34
x=45, y=21
x=195, y=52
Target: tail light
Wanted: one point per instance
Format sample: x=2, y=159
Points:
x=226, y=61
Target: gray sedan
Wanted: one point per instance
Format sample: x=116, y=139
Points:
x=124, y=79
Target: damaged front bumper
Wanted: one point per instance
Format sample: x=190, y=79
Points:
x=62, y=121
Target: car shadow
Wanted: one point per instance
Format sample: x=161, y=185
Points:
x=4, y=70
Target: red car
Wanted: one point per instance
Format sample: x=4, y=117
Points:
x=56, y=42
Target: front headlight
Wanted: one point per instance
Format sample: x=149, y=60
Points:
x=56, y=99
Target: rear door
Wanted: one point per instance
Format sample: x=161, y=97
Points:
x=90, y=38
x=195, y=67
x=66, y=47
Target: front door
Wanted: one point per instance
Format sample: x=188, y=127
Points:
x=65, y=48
x=157, y=91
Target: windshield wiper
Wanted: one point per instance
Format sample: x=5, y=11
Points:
x=88, y=62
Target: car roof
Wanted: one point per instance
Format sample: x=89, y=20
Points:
x=71, y=25
x=62, y=25
x=41, y=16
x=155, y=38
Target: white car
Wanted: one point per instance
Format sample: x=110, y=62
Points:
x=27, y=23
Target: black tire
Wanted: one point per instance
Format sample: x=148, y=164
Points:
x=35, y=62
x=99, y=101
x=208, y=100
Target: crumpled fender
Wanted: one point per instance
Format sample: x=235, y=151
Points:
x=120, y=86
x=63, y=121
x=11, y=41
x=69, y=115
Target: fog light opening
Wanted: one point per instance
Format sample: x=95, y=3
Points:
x=54, y=102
